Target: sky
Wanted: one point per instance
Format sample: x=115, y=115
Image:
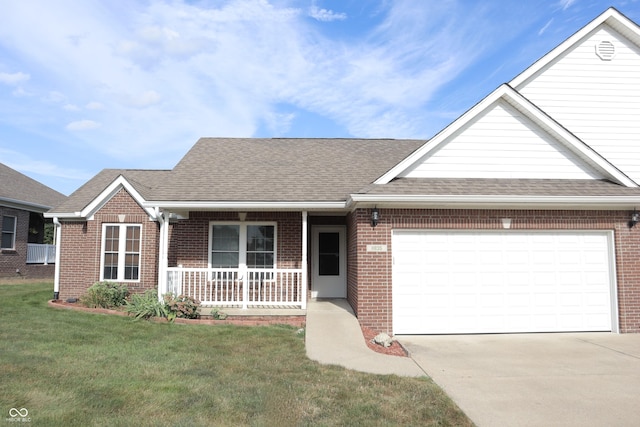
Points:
x=88, y=85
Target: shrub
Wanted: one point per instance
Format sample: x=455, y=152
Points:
x=147, y=305
x=181, y=306
x=106, y=295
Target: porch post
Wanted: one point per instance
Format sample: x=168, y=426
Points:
x=304, y=260
x=162, y=253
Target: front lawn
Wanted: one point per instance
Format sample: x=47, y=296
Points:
x=72, y=368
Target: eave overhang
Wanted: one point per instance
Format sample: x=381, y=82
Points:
x=494, y=202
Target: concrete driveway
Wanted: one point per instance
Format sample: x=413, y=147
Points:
x=578, y=379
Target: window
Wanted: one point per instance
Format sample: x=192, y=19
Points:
x=236, y=245
x=8, y=232
x=121, y=252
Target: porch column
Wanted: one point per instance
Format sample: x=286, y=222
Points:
x=56, y=274
x=162, y=252
x=305, y=228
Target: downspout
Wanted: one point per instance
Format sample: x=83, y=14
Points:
x=56, y=279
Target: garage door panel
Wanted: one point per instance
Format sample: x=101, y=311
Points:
x=487, y=282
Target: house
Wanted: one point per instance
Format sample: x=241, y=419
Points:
x=23, y=251
x=517, y=217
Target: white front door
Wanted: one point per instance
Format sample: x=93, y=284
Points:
x=329, y=262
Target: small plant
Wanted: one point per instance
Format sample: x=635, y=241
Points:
x=181, y=306
x=218, y=315
x=145, y=306
x=106, y=295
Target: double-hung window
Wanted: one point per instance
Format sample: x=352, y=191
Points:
x=8, y=232
x=239, y=245
x=121, y=252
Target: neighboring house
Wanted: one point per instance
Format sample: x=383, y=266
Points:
x=517, y=217
x=23, y=251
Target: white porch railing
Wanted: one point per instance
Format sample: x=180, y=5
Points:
x=237, y=287
x=41, y=254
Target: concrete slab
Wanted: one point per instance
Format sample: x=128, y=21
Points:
x=333, y=337
x=581, y=379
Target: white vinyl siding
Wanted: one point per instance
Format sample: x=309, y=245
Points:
x=448, y=282
x=597, y=100
x=501, y=143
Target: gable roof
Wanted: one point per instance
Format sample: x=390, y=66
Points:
x=533, y=113
x=610, y=17
x=280, y=169
x=98, y=190
x=20, y=191
x=237, y=172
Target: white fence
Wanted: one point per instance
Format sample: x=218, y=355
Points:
x=41, y=254
x=254, y=287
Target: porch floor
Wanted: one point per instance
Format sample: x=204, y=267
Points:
x=273, y=310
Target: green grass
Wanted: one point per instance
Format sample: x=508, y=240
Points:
x=70, y=368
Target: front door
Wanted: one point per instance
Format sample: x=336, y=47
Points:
x=329, y=262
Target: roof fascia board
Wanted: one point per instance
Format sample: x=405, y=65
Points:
x=611, y=15
x=119, y=183
x=495, y=201
x=25, y=206
x=254, y=206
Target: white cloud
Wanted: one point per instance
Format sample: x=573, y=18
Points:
x=566, y=4
x=81, y=125
x=13, y=79
x=325, y=15
x=172, y=71
x=543, y=29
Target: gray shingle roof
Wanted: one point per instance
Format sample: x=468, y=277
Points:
x=287, y=170
x=16, y=186
x=310, y=170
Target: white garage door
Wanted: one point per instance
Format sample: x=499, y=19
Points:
x=495, y=282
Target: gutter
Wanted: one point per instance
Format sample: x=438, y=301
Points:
x=497, y=201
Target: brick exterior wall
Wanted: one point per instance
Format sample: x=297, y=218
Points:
x=81, y=242
x=189, y=239
x=13, y=263
x=369, y=278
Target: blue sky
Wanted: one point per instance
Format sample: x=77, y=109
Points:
x=87, y=85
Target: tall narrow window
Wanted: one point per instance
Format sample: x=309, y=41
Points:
x=121, y=252
x=260, y=246
x=225, y=247
x=8, y=232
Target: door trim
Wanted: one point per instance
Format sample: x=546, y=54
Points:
x=340, y=286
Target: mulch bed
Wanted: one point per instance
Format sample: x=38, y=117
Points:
x=395, y=349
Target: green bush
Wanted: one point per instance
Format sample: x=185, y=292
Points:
x=181, y=306
x=147, y=305
x=106, y=295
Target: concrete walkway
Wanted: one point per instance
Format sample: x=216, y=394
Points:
x=334, y=337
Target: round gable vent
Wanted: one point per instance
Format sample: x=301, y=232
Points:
x=605, y=50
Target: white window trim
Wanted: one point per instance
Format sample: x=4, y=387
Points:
x=122, y=244
x=15, y=227
x=242, y=237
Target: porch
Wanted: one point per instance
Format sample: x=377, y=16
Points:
x=243, y=288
